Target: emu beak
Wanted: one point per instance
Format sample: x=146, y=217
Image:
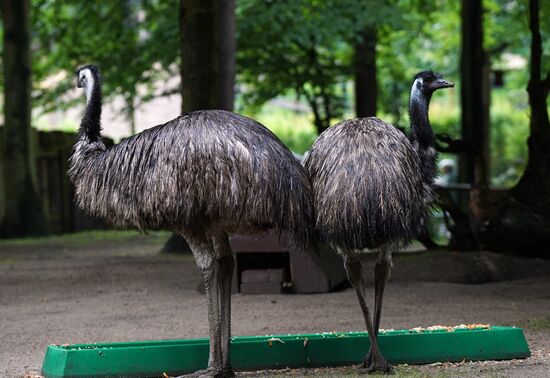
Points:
x=440, y=83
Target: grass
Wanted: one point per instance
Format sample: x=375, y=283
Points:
x=405, y=371
x=81, y=238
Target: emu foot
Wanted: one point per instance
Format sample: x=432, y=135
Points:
x=227, y=372
x=207, y=373
x=367, y=361
x=376, y=368
x=195, y=374
x=375, y=363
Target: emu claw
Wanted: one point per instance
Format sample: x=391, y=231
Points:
x=374, y=364
x=226, y=372
x=206, y=373
x=384, y=368
x=196, y=374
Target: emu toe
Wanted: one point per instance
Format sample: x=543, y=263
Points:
x=367, y=361
x=228, y=372
x=375, y=363
x=195, y=374
x=208, y=373
x=375, y=369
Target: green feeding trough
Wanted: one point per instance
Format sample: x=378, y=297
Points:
x=416, y=346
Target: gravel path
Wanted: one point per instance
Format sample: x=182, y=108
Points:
x=115, y=291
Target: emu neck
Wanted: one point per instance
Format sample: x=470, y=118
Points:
x=421, y=130
x=89, y=144
x=90, y=126
x=422, y=137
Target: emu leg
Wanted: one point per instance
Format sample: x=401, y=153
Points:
x=211, y=278
x=227, y=264
x=354, y=270
x=205, y=257
x=381, y=277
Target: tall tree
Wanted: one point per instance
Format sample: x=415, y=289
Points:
x=288, y=47
x=519, y=220
x=475, y=110
x=23, y=213
x=207, y=32
x=207, y=35
x=364, y=65
x=535, y=182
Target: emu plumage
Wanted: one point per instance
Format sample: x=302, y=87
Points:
x=367, y=188
x=372, y=189
x=203, y=171
x=202, y=175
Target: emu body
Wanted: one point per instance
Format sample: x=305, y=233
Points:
x=367, y=189
x=203, y=175
x=206, y=171
x=372, y=190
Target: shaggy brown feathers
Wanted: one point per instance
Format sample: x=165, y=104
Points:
x=366, y=183
x=209, y=171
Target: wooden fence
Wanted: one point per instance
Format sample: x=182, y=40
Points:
x=52, y=151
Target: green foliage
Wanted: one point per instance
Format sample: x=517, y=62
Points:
x=293, y=128
x=301, y=49
x=507, y=29
x=275, y=38
x=427, y=38
x=304, y=46
x=287, y=45
x=121, y=36
x=509, y=132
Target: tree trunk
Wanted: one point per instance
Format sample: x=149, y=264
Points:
x=364, y=65
x=207, y=33
x=535, y=181
x=131, y=111
x=475, y=113
x=519, y=220
x=321, y=120
x=474, y=99
x=23, y=214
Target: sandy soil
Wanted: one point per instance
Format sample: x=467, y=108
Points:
x=116, y=291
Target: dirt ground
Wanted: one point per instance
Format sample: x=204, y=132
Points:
x=124, y=290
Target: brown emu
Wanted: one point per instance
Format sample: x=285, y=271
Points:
x=372, y=189
x=203, y=175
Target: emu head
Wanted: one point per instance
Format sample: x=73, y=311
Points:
x=87, y=77
x=426, y=82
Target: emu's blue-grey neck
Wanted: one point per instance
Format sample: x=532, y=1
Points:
x=90, y=126
x=422, y=136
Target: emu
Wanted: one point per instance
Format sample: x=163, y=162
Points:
x=202, y=175
x=372, y=190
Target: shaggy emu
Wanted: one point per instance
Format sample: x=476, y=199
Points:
x=372, y=189
x=203, y=175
